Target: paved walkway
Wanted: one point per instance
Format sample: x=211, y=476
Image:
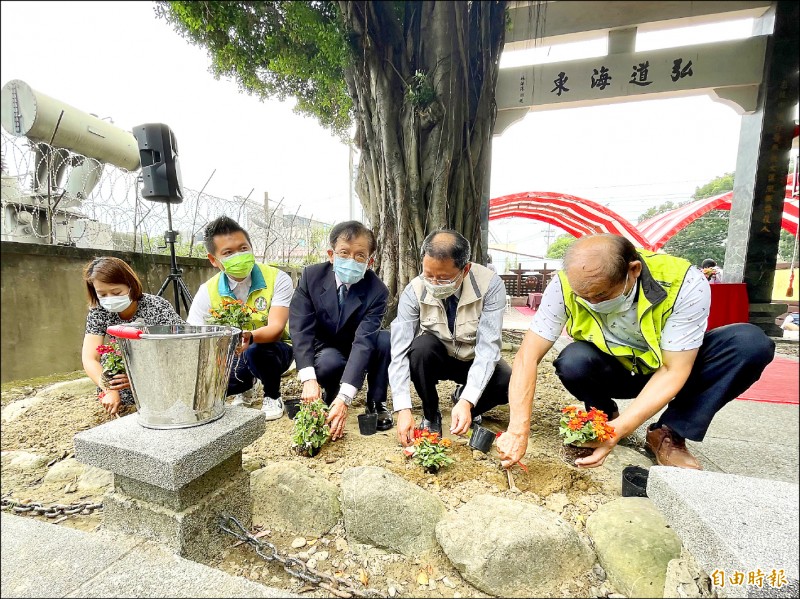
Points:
x=42, y=560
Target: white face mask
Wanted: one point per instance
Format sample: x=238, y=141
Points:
x=115, y=303
x=441, y=292
x=621, y=303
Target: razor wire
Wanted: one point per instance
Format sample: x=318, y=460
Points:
x=56, y=196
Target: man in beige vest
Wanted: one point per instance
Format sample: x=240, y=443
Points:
x=448, y=327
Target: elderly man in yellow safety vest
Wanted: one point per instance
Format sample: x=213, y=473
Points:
x=638, y=321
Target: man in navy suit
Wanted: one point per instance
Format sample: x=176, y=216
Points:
x=334, y=321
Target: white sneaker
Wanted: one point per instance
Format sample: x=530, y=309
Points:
x=238, y=400
x=272, y=408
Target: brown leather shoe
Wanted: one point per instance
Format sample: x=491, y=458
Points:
x=670, y=449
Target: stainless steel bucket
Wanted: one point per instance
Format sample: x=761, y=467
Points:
x=178, y=373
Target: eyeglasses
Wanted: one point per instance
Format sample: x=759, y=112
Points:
x=359, y=257
x=442, y=281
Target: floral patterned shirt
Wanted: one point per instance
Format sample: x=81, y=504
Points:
x=152, y=310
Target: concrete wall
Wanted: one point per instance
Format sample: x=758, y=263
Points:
x=44, y=304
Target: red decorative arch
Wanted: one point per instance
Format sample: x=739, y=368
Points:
x=659, y=229
x=579, y=216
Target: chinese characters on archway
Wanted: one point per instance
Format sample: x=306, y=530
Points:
x=641, y=76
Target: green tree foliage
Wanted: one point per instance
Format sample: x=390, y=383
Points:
x=559, y=246
x=704, y=237
x=414, y=80
x=786, y=247
x=317, y=245
x=656, y=210
x=714, y=187
x=274, y=50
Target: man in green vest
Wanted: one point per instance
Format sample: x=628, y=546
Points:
x=268, y=291
x=638, y=321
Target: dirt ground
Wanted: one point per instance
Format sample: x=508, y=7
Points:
x=48, y=427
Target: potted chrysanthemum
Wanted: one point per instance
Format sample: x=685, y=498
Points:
x=429, y=450
x=578, y=427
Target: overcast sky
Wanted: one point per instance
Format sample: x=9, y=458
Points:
x=116, y=59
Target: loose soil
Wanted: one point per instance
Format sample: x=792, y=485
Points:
x=48, y=428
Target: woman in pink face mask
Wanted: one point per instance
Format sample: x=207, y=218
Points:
x=116, y=297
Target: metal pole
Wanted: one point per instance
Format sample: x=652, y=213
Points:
x=50, y=208
x=196, y=208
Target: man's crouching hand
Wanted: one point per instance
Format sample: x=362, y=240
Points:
x=311, y=391
x=461, y=417
x=511, y=447
x=405, y=427
x=337, y=416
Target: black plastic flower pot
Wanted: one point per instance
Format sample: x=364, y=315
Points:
x=292, y=407
x=368, y=423
x=634, y=481
x=481, y=439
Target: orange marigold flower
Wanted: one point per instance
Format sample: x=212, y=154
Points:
x=445, y=442
x=569, y=410
x=575, y=424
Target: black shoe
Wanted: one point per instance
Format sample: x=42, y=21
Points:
x=456, y=395
x=434, y=426
x=385, y=421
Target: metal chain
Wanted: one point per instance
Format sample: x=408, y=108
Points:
x=83, y=508
x=340, y=587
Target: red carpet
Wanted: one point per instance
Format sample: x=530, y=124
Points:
x=525, y=310
x=778, y=384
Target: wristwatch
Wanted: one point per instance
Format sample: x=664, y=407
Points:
x=346, y=399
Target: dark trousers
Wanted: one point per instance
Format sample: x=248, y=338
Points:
x=730, y=360
x=264, y=361
x=430, y=363
x=329, y=365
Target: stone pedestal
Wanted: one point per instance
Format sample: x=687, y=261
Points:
x=764, y=315
x=172, y=485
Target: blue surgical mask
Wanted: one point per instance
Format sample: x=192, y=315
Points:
x=621, y=303
x=348, y=270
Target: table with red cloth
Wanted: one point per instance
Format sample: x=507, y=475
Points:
x=534, y=299
x=729, y=304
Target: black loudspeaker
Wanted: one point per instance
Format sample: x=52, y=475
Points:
x=158, y=153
